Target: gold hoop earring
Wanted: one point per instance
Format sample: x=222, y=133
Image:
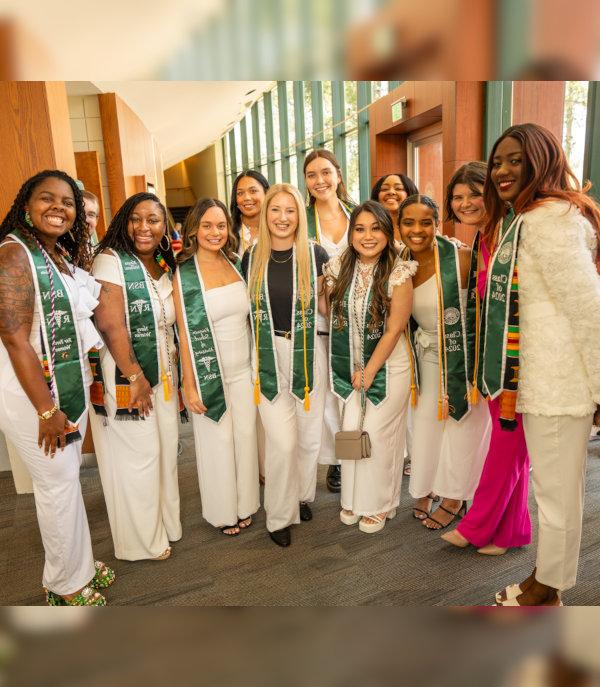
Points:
x=168, y=242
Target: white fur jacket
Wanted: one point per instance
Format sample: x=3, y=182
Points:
x=559, y=313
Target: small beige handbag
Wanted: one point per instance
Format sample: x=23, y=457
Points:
x=353, y=444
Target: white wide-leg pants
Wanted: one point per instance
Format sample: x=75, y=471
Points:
x=557, y=448
x=372, y=485
x=137, y=461
x=59, y=503
x=292, y=440
x=227, y=456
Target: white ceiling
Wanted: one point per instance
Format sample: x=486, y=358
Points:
x=185, y=117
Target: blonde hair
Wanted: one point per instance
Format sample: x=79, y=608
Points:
x=262, y=249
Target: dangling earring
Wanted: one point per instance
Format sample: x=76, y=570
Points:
x=168, y=247
x=28, y=221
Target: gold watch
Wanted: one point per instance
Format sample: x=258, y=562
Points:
x=48, y=413
x=134, y=376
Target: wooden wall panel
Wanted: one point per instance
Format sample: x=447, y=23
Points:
x=33, y=121
x=112, y=150
x=459, y=105
x=60, y=126
x=541, y=102
x=130, y=154
x=88, y=171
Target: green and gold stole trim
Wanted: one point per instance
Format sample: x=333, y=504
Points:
x=65, y=374
x=501, y=329
x=312, y=218
x=341, y=350
x=474, y=322
x=303, y=336
x=453, y=387
x=201, y=340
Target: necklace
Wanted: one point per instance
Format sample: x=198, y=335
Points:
x=282, y=262
x=167, y=380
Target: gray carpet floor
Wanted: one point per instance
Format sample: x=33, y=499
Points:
x=328, y=564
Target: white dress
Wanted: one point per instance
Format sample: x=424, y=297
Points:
x=69, y=562
x=226, y=452
x=372, y=485
x=138, y=460
x=447, y=456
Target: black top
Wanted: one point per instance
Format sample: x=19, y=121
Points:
x=280, y=283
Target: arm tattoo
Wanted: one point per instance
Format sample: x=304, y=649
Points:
x=17, y=293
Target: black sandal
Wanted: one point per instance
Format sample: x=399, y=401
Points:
x=248, y=521
x=230, y=527
x=426, y=513
x=459, y=513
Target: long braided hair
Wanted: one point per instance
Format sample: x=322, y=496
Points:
x=75, y=242
x=117, y=237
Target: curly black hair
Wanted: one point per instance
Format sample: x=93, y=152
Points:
x=116, y=236
x=76, y=241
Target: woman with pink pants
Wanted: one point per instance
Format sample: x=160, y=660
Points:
x=499, y=517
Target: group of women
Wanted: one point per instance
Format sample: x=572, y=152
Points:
x=287, y=322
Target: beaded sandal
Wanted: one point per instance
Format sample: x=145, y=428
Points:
x=104, y=576
x=88, y=596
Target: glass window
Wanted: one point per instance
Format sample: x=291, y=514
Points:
x=575, y=112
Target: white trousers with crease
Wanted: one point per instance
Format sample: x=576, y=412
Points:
x=558, y=452
x=292, y=440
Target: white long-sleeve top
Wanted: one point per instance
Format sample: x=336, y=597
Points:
x=559, y=313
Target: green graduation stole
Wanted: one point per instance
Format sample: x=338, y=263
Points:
x=303, y=336
x=201, y=339
x=341, y=353
x=452, y=335
x=501, y=317
x=312, y=218
x=142, y=328
x=64, y=370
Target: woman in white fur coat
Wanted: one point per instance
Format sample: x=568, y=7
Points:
x=543, y=281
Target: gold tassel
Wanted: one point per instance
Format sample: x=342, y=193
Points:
x=413, y=395
x=474, y=396
x=256, y=391
x=306, y=399
x=166, y=385
x=443, y=408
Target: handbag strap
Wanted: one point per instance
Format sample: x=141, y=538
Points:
x=359, y=322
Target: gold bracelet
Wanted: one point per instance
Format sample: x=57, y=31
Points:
x=48, y=413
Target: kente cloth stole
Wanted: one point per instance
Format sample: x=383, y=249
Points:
x=452, y=336
x=312, y=218
x=501, y=316
x=201, y=340
x=65, y=374
x=303, y=336
x=341, y=351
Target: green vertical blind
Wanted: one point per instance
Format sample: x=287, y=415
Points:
x=295, y=117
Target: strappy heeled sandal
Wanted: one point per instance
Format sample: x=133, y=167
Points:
x=104, y=576
x=88, y=596
x=441, y=526
x=426, y=513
